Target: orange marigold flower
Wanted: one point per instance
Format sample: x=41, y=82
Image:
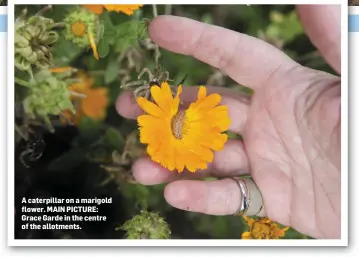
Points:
x=180, y=138
x=92, y=105
x=124, y=8
x=263, y=228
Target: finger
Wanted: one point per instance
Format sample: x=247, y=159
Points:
x=221, y=197
x=323, y=26
x=247, y=60
x=231, y=161
x=127, y=107
x=237, y=105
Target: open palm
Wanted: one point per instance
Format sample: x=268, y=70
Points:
x=290, y=129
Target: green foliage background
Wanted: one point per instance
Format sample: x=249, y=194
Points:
x=72, y=159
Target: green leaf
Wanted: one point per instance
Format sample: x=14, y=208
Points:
x=129, y=32
x=109, y=30
x=106, y=21
x=232, y=135
x=220, y=227
x=207, y=18
x=115, y=138
x=61, y=53
x=138, y=193
x=111, y=71
x=89, y=128
x=286, y=27
x=103, y=47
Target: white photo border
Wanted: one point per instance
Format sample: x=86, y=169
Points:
x=124, y=242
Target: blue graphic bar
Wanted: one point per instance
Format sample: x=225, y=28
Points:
x=353, y=23
x=3, y=23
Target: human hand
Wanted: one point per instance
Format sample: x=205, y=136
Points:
x=290, y=129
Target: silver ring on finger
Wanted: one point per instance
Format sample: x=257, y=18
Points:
x=251, y=198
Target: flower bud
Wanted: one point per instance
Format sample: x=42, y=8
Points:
x=79, y=24
x=32, y=37
x=146, y=225
x=48, y=96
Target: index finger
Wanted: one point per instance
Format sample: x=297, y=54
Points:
x=322, y=24
x=247, y=60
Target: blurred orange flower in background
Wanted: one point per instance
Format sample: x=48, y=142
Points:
x=90, y=102
x=127, y=9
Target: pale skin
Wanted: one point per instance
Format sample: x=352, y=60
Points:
x=290, y=127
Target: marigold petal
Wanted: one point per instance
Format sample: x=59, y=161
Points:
x=179, y=90
x=176, y=101
x=219, y=118
x=169, y=156
x=152, y=133
x=93, y=45
x=249, y=221
x=151, y=124
x=194, y=163
x=215, y=141
x=246, y=235
x=210, y=102
x=202, y=92
x=147, y=120
x=166, y=91
x=265, y=220
x=61, y=69
x=158, y=141
x=125, y=8
x=96, y=8
x=180, y=162
x=154, y=153
x=281, y=232
x=203, y=153
x=161, y=100
x=149, y=107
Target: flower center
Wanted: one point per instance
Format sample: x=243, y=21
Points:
x=262, y=231
x=177, y=124
x=78, y=29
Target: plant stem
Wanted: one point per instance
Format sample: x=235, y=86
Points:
x=22, y=82
x=168, y=9
x=72, y=81
x=78, y=94
x=58, y=25
x=157, y=50
x=154, y=9
x=18, y=130
x=30, y=74
x=43, y=10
